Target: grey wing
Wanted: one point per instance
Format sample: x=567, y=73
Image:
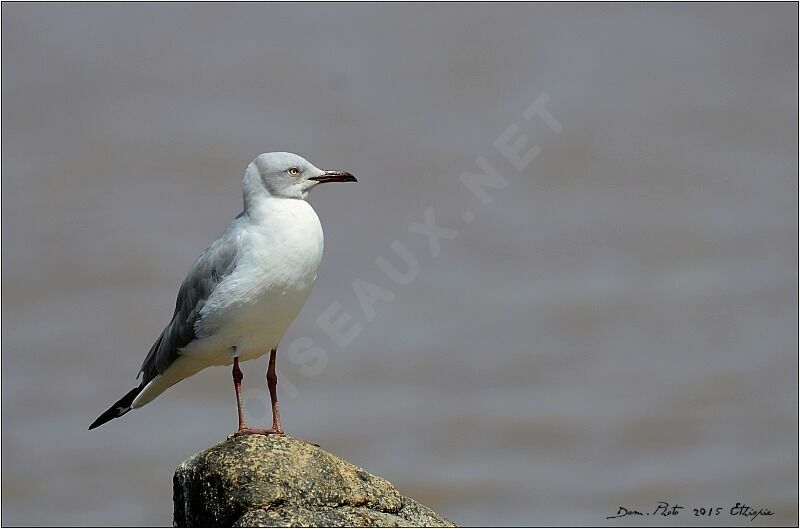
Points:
x=208, y=271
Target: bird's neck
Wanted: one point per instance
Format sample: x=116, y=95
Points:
x=253, y=191
x=267, y=209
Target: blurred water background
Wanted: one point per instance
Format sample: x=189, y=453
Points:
x=617, y=327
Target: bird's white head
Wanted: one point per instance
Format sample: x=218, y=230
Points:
x=285, y=175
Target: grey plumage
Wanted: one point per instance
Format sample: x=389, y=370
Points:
x=208, y=271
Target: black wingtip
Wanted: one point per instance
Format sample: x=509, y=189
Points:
x=120, y=408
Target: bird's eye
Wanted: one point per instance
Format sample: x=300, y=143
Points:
x=294, y=171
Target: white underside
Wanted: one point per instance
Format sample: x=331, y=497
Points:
x=251, y=309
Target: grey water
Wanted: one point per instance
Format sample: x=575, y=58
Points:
x=617, y=326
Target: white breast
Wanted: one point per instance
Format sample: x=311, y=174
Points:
x=253, y=307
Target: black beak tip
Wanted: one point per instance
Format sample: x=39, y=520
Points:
x=341, y=176
x=335, y=176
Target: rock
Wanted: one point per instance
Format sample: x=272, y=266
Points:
x=272, y=481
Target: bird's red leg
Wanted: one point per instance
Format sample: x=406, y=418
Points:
x=243, y=429
x=237, y=385
x=272, y=385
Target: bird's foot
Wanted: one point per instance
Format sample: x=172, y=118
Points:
x=246, y=430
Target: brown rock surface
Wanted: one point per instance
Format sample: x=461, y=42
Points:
x=272, y=481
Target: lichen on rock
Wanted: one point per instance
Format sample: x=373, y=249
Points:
x=272, y=481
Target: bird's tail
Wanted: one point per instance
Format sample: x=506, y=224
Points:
x=120, y=408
